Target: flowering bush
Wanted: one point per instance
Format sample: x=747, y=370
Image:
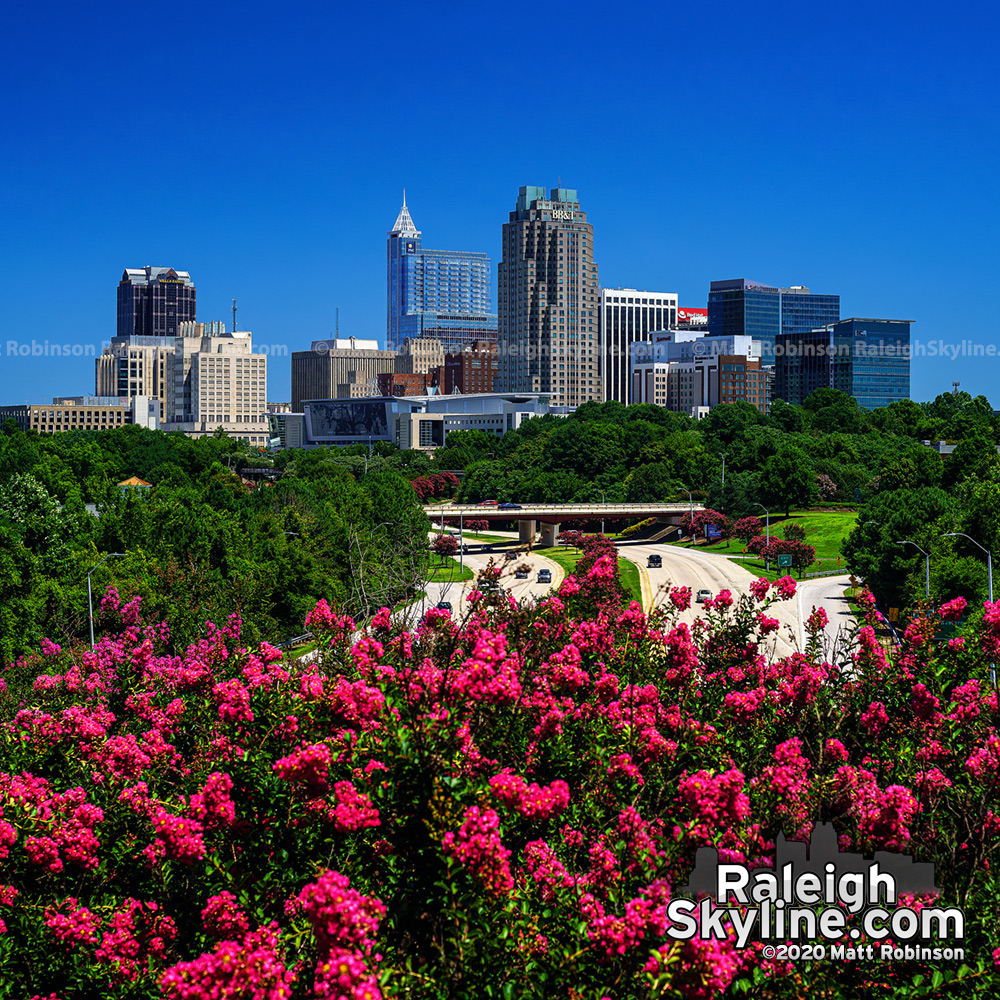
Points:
x=497, y=804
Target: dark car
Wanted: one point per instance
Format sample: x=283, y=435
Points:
x=654, y=561
x=545, y=576
x=510, y=554
x=520, y=574
x=487, y=548
x=509, y=506
x=443, y=606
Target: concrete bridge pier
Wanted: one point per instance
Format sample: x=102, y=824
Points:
x=549, y=532
x=526, y=532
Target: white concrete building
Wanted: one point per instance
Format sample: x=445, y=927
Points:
x=629, y=316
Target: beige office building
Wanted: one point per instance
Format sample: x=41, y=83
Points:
x=340, y=368
x=548, y=300
x=419, y=355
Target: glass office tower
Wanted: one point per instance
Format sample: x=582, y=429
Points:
x=866, y=358
x=439, y=294
x=763, y=312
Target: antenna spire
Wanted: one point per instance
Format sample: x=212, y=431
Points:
x=234, y=315
x=404, y=197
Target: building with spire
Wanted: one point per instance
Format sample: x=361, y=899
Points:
x=435, y=294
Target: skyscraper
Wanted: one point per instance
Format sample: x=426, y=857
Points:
x=866, y=358
x=152, y=301
x=547, y=299
x=438, y=294
x=626, y=316
x=763, y=312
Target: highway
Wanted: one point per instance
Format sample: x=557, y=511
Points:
x=476, y=560
x=714, y=571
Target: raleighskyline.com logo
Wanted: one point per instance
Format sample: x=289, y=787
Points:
x=820, y=903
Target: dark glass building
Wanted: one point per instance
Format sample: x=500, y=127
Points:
x=739, y=306
x=153, y=301
x=437, y=294
x=866, y=358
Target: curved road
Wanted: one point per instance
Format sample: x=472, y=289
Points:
x=700, y=570
x=477, y=560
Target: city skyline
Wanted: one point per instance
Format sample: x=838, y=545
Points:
x=276, y=186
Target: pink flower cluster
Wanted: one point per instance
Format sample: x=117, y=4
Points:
x=477, y=845
x=344, y=923
x=223, y=919
x=533, y=801
x=717, y=802
x=354, y=810
x=251, y=967
x=309, y=766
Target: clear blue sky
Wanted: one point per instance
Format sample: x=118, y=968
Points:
x=851, y=148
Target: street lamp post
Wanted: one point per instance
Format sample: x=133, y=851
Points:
x=603, y=500
x=690, y=509
x=724, y=469
x=927, y=566
x=989, y=579
x=767, y=536
x=90, y=594
x=989, y=557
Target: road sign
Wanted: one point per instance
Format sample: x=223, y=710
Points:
x=785, y=560
x=713, y=531
x=893, y=615
x=857, y=494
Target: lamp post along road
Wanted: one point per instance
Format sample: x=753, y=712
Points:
x=767, y=536
x=90, y=594
x=927, y=566
x=603, y=500
x=690, y=511
x=989, y=582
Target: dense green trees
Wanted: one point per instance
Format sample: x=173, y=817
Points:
x=202, y=542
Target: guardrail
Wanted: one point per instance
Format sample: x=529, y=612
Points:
x=826, y=572
x=296, y=641
x=659, y=508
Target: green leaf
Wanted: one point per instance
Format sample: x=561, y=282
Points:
x=937, y=978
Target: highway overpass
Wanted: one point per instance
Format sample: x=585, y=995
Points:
x=549, y=515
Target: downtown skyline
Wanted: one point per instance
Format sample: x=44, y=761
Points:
x=870, y=179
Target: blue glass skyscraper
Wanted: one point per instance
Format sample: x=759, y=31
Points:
x=441, y=294
x=763, y=312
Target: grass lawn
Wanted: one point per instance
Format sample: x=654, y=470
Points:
x=450, y=572
x=291, y=654
x=489, y=539
x=825, y=530
x=567, y=557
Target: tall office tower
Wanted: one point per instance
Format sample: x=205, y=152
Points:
x=866, y=358
x=626, y=316
x=435, y=294
x=547, y=300
x=152, y=301
x=764, y=311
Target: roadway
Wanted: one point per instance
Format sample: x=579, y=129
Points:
x=714, y=571
x=558, y=511
x=476, y=560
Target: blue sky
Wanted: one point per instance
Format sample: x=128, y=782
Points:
x=851, y=148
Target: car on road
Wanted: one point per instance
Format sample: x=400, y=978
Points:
x=487, y=548
x=702, y=596
x=509, y=506
x=443, y=606
x=520, y=574
x=545, y=576
x=487, y=503
x=654, y=562
x=510, y=554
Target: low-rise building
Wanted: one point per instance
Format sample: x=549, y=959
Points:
x=84, y=413
x=421, y=422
